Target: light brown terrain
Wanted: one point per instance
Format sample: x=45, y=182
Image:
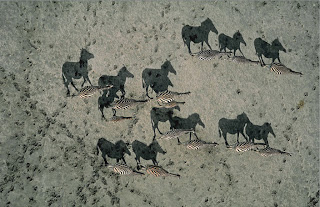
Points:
x=48, y=140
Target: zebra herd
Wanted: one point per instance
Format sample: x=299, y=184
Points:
x=158, y=81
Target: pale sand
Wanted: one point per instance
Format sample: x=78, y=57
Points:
x=48, y=140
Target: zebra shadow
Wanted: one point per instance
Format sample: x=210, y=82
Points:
x=157, y=79
x=147, y=152
x=259, y=132
x=268, y=50
x=118, y=83
x=186, y=123
x=232, y=43
x=76, y=70
x=198, y=34
x=160, y=115
x=114, y=151
x=233, y=126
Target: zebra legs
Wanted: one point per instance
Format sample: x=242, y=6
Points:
x=240, y=51
x=207, y=42
x=73, y=86
x=225, y=138
x=188, y=45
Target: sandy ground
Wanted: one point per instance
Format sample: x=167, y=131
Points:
x=48, y=140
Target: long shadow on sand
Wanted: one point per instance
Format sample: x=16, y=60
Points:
x=268, y=50
x=242, y=125
x=233, y=126
x=76, y=70
x=198, y=34
x=232, y=43
x=160, y=115
x=157, y=79
x=114, y=151
x=259, y=132
x=118, y=83
x=147, y=152
x=186, y=123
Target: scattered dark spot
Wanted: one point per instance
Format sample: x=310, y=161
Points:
x=314, y=88
x=238, y=91
x=306, y=94
x=287, y=137
x=113, y=2
x=300, y=104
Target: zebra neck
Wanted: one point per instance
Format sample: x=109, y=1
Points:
x=83, y=63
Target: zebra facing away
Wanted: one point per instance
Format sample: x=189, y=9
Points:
x=76, y=70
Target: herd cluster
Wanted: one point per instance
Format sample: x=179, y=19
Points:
x=166, y=101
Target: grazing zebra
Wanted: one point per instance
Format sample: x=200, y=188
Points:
x=232, y=43
x=165, y=97
x=76, y=70
x=198, y=34
x=89, y=91
x=268, y=151
x=176, y=133
x=125, y=103
x=158, y=171
x=122, y=169
x=269, y=51
x=280, y=69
